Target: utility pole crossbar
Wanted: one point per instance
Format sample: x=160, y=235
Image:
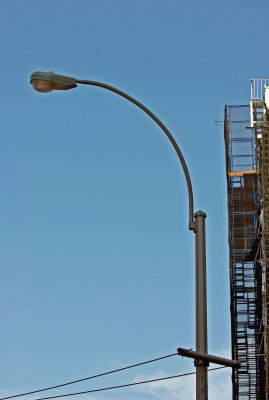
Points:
x=207, y=358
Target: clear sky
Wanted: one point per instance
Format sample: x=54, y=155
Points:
x=97, y=268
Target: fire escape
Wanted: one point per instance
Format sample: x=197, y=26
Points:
x=260, y=125
x=245, y=251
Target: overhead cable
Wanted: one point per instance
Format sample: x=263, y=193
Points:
x=89, y=377
x=123, y=386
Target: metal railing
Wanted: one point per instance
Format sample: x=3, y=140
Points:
x=257, y=88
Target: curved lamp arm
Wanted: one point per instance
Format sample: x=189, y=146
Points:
x=47, y=81
x=164, y=129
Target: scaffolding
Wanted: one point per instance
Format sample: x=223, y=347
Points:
x=244, y=254
x=260, y=127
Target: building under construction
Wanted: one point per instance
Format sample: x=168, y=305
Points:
x=246, y=134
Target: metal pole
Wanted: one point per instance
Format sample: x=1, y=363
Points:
x=201, y=305
x=197, y=224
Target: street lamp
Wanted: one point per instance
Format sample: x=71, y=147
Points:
x=46, y=82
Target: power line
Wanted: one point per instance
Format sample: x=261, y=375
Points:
x=89, y=377
x=123, y=386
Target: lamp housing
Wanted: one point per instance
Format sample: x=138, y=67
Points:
x=45, y=82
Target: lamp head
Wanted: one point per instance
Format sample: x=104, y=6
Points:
x=45, y=82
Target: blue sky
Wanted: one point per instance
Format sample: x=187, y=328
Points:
x=97, y=264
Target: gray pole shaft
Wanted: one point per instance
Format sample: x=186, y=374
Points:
x=201, y=305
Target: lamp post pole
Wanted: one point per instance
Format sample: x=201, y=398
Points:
x=201, y=305
x=48, y=81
